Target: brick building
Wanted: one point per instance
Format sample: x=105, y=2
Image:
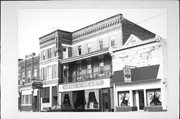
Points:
x=28, y=72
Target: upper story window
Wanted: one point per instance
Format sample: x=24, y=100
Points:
x=101, y=44
x=49, y=53
x=101, y=66
x=42, y=74
x=54, y=71
x=49, y=72
x=79, y=50
x=112, y=43
x=43, y=55
x=35, y=74
x=89, y=48
x=29, y=77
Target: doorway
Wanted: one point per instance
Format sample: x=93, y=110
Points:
x=79, y=100
x=105, y=100
x=138, y=99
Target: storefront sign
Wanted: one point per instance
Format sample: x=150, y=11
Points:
x=127, y=74
x=85, y=85
x=37, y=84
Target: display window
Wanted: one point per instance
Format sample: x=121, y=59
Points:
x=92, y=99
x=123, y=98
x=153, y=97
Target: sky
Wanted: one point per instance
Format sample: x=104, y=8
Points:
x=34, y=23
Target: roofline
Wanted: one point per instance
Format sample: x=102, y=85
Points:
x=53, y=32
x=97, y=23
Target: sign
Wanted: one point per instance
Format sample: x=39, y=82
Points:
x=127, y=74
x=92, y=84
x=37, y=84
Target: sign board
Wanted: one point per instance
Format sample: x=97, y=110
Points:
x=37, y=84
x=102, y=83
x=127, y=74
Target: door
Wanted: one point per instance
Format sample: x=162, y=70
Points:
x=141, y=100
x=106, y=100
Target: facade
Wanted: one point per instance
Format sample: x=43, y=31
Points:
x=111, y=65
x=50, y=70
x=139, y=78
x=28, y=72
x=87, y=68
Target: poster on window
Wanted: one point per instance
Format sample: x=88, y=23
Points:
x=123, y=98
x=154, y=97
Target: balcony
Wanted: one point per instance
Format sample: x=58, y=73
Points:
x=87, y=77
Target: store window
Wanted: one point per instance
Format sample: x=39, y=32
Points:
x=66, y=101
x=92, y=99
x=153, y=97
x=123, y=98
x=26, y=99
x=44, y=92
x=45, y=100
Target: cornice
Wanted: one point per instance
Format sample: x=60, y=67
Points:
x=97, y=27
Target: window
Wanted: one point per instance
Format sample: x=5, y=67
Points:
x=89, y=48
x=123, y=98
x=54, y=71
x=153, y=97
x=79, y=50
x=49, y=72
x=64, y=49
x=49, y=53
x=100, y=44
x=29, y=77
x=26, y=99
x=35, y=74
x=112, y=43
x=45, y=100
x=101, y=66
x=92, y=99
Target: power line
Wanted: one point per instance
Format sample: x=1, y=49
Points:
x=151, y=17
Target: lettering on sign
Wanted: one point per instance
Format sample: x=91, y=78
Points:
x=83, y=84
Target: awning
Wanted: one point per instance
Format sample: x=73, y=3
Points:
x=137, y=74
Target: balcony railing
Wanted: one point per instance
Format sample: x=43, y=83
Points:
x=87, y=77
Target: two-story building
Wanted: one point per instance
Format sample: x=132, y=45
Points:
x=28, y=72
x=139, y=75
x=86, y=65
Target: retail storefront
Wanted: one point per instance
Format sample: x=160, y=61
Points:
x=86, y=96
x=139, y=76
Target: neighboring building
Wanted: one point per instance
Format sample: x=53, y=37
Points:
x=50, y=51
x=28, y=71
x=86, y=66
x=140, y=76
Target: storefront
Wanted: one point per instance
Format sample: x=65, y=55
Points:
x=91, y=95
x=139, y=79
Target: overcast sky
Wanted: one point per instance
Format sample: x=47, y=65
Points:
x=34, y=23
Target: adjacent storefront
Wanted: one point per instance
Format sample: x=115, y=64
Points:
x=138, y=80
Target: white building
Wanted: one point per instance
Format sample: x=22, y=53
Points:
x=139, y=75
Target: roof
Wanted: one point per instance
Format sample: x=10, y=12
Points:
x=137, y=74
x=129, y=28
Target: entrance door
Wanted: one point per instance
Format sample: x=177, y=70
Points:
x=138, y=99
x=79, y=100
x=35, y=103
x=105, y=100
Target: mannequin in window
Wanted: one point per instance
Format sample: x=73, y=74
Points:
x=155, y=99
x=66, y=102
x=124, y=101
x=92, y=99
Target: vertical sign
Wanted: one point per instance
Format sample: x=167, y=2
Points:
x=127, y=74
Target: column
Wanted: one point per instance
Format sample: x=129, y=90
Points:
x=145, y=98
x=115, y=97
x=59, y=99
x=131, y=98
x=137, y=99
x=163, y=96
x=50, y=96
